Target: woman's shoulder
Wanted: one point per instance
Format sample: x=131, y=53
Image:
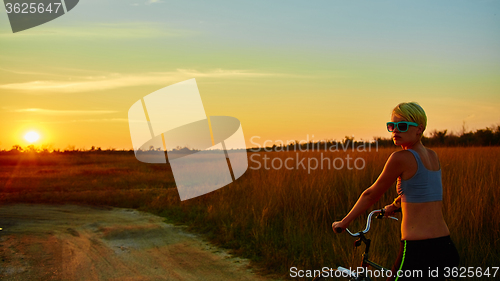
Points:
x=402, y=156
x=432, y=154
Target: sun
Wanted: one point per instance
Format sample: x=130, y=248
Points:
x=31, y=136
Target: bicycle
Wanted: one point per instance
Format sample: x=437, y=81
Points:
x=342, y=272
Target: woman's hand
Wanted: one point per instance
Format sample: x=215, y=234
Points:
x=339, y=226
x=390, y=209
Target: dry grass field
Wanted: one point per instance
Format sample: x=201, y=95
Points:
x=279, y=218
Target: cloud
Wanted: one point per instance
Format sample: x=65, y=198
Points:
x=104, y=31
x=50, y=71
x=87, y=121
x=63, y=112
x=113, y=81
x=66, y=121
x=30, y=72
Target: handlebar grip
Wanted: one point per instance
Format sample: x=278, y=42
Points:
x=338, y=230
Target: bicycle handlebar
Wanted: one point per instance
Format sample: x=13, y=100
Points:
x=368, y=221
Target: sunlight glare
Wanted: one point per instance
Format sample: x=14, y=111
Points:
x=31, y=136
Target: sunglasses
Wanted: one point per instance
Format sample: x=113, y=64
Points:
x=402, y=126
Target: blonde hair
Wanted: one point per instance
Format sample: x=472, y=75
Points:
x=411, y=111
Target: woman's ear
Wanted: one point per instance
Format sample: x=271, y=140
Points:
x=420, y=130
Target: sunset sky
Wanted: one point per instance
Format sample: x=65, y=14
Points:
x=286, y=69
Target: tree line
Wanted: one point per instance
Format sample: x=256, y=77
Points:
x=481, y=137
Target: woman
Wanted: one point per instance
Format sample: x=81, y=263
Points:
x=425, y=238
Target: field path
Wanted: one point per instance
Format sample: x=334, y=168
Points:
x=46, y=242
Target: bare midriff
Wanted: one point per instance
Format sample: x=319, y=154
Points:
x=423, y=221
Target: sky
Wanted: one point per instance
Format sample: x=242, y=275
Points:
x=288, y=70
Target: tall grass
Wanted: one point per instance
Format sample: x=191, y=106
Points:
x=278, y=217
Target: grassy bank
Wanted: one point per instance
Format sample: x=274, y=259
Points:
x=277, y=217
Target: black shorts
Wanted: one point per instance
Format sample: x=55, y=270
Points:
x=425, y=259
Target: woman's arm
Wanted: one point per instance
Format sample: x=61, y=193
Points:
x=393, y=168
x=397, y=201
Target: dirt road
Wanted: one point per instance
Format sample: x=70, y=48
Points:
x=44, y=242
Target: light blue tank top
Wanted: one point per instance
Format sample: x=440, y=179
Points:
x=424, y=186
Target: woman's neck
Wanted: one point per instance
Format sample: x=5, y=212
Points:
x=416, y=145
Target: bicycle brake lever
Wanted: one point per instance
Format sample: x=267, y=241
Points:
x=380, y=216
